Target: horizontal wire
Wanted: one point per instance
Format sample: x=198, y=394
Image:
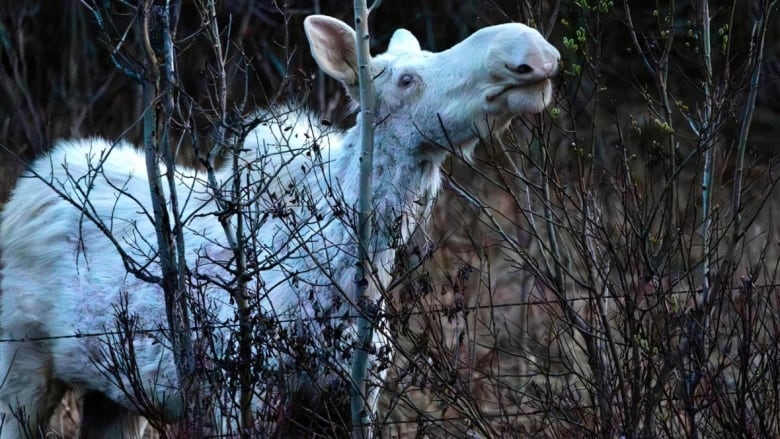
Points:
x=439, y=309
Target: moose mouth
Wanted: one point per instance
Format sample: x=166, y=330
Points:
x=537, y=85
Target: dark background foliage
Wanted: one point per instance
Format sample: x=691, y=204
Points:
x=57, y=78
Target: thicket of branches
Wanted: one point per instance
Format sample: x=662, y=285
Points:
x=607, y=269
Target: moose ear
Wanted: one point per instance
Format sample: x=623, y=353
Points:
x=403, y=41
x=332, y=44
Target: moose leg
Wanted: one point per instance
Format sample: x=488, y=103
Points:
x=28, y=394
x=103, y=418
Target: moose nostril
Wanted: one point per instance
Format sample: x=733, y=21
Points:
x=524, y=68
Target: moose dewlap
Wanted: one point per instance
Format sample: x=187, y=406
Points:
x=78, y=241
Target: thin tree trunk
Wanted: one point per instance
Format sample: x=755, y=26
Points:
x=158, y=109
x=359, y=368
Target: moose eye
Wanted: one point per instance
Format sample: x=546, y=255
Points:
x=405, y=80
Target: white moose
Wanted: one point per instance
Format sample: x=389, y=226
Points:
x=62, y=275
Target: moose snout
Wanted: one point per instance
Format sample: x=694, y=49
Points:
x=536, y=66
x=550, y=68
x=534, y=70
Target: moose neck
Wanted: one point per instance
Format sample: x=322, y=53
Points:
x=405, y=177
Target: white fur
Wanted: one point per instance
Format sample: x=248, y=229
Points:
x=62, y=276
